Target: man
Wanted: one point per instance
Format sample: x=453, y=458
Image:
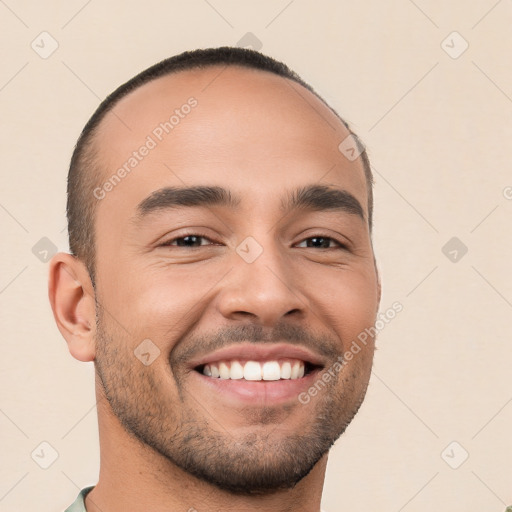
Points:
x=220, y=229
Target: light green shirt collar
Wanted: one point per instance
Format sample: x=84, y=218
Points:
x=79, y=503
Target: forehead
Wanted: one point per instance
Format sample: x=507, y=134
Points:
x=252, y=130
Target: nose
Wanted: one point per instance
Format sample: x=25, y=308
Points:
x=265, y=290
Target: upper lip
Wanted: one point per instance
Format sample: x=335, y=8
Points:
x=260, y=352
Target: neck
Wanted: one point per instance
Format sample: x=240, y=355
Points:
x=134, y=477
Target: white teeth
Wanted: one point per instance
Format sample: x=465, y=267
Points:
x=236, y=371
x=271, y=370
x=224, y=371
x=252, y=370
x=286, y=370
x=256, y=371
x=295, y=370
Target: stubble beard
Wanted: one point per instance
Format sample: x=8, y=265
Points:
x=178, y=428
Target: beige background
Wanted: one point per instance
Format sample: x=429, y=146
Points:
x=438, y=130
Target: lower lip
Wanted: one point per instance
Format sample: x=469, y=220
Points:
x=259, y=392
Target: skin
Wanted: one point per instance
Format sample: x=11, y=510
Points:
x=260, y=136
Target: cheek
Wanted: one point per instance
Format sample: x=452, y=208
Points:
x=348, y=299
x=158, y=304
x=162, y=301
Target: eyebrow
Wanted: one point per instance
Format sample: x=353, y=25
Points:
x=310, y=197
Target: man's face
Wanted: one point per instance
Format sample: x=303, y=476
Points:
x=215, y=286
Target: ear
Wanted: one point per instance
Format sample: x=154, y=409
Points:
x=71, y=296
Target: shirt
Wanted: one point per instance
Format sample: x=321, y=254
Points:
x=79, y=503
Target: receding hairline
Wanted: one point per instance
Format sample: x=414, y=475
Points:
x=94, y=148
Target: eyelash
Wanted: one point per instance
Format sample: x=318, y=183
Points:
x=168, y=243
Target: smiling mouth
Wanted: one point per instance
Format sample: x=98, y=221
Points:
x=251, y=370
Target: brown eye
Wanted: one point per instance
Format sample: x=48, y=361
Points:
x=190, y=240
x=322, y=242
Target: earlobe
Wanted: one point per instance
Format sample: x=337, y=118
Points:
x=72, y=300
